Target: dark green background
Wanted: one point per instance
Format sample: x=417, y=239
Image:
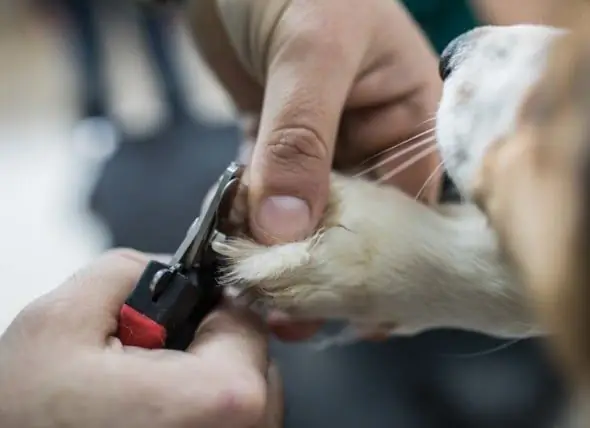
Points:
x=442, y=20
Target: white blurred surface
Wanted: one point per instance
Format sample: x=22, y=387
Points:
x=45, y=231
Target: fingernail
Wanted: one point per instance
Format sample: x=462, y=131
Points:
x=284, y=218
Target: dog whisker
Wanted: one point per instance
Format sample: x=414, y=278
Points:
x=485, y=352
x=407, y=164
x=428, y=180
x=397, y=146
x=430, y=119
x=395, y=156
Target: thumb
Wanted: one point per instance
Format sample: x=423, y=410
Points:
x=306, y=88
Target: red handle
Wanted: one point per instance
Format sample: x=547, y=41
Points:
x=135, y=329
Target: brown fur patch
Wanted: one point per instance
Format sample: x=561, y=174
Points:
x=535, y=188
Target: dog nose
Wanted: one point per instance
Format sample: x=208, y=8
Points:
x=446, y=63
x=457, y=49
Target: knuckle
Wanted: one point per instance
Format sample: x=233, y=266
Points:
x=38, y=314
x=241, y=400
x=32, y=313
x=313, y=37
x=309, y=37
x=296, y=148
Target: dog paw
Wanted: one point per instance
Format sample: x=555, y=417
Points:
x=371, y=261
x=385, y=263
x=322, y=276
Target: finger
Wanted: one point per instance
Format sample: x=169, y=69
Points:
x=286, y=329
x=308, y=80
x=295, y=332
x=419, y=178
x=88, y=303
x=220, y=381
x=222, y=376
x=408, y=150
x=233, y=337
x=168, y=389
x=405, y=153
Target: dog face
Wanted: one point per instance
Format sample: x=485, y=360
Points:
x=488, y=72
x=514, y=134
x=489, y=136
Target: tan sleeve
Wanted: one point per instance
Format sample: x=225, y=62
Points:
x=250, y=24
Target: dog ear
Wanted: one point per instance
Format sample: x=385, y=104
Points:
x=560, y=114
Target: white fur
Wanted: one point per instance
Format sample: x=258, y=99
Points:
x=387, y=261
x=493, y=69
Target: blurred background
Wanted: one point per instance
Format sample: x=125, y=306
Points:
x=79, y=79
x=111, y=132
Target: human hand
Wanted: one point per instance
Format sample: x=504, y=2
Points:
x=329, y=84
x=61, y=366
